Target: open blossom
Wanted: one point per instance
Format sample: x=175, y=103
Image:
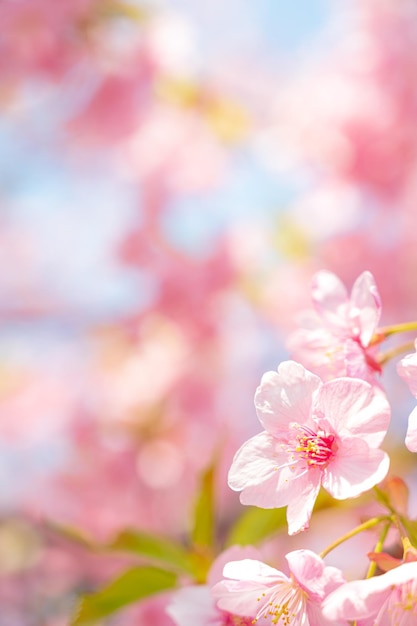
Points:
x=251, y=587
x=407, y=369
x=336, y=337
x=315, y=434
x=386, y=600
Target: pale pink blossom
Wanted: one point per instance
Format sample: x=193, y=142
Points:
x=253, y=588
x=407, y=369
x=315, y=434
x=386, y=600
x=359, y=124
x=44, y=37
x=335, y=339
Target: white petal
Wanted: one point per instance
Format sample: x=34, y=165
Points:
x=254, y=463
x=355, y=469
x=286, y=396
x=354, y=408
x=411, y=436
x=367, y=301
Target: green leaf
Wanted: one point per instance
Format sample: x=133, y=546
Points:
x=203, y=528
x=133, y=585
x=411, y=529
x=74, y=534
x=255, y=525
x=153, y=547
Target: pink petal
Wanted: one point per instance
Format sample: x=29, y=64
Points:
x=301, y=499
x=407, y=369
x=285, y=396
x=334, y=578
x=354, y=408
x=360, y=363
x=411, y=436
x=310, y=571
x=307, y=568
x=355, y=469
x=251, y=580
x=253, y=570
x=330, y=297
x=274, y=492
x=364, y=598
x=239, y=601
x=192, y=605
x=350, y=601
x=233, y=553
x=316, y=617
x=366, y=300
x=254, y=463
x=320, y=350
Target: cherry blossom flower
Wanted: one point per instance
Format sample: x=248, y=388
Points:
x=315, y=434
x=251, y=587
x=388, y=599
x=407, y=369
x=335, y=339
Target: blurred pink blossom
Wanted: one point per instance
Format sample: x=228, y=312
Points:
x=44, y=37
x=335, y=339
x=352, y=115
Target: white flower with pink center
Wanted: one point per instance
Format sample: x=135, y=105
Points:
x=386, y=600
x=315, y=434
x=251, y=587
x=335, y=339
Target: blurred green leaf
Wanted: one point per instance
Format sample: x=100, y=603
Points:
x=203, y=528
x=255, y=525
x=411, y=529
x=153, y=547
x=133, y=585
x=72, y=533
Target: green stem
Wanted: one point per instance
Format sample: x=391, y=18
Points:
x=400, y=527
x=386, y=331
x=384, y=357
x=378, y=548
x=374, y=521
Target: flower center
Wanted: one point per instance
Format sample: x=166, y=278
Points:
x=315, y=448
x=286, y=606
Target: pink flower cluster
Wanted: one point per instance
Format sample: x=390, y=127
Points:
x=248, y=591
x=319, y=433
x=316, y=433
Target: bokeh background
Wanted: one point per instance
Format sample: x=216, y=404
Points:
x=172, y=174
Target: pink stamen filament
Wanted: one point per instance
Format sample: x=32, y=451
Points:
x=315, y=448
x=286, y=606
